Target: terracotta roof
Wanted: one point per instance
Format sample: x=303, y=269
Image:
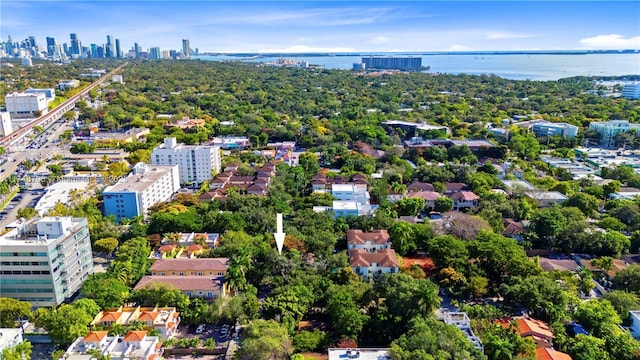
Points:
x=166, y=248
x=529, y=327
x=159, y=344
x=550, y=354
x=455, y=186
x=359, y=177
x=111, y=316
x=194, y=247
x=420, y=186
x=257, y=188
x=464, y=196
x=183, y=283
x=512, y=227
x=148, y=316
x=135, y=335
x=427, y=195
x=95, y=336
x=557, y=264
x=363, y=258
x=152, y=357
x=356, y=236
x=241, y=179
x=185, y=264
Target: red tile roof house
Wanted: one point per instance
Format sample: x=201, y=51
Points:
x=463, y=200
x=539, y=331
x=368, y=264
x=371, y=241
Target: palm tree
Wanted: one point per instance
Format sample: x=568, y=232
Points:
x=236, y=278
x=498, y=348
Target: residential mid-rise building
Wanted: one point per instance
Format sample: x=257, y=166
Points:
x=631, y=91
x=45, y=261
x=609, y=129
x=197, y=163
x=392, y=62
x=547, y=129
x=154, y=53
x=135, y=345
x=20, y=105
x=135, y=194
x=5, y=123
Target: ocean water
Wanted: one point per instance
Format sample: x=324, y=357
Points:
x=510, y=66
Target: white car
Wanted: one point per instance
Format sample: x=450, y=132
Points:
x=224, y=330
x=200, y=329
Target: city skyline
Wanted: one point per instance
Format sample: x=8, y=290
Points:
x=331, y=26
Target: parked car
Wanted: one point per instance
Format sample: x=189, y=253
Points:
x=224, y=330
x=200, y=329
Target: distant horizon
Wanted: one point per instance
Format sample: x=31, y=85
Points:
x=428, y=52
x=331, y=26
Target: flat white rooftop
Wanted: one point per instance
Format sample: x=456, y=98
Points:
x=359, y=354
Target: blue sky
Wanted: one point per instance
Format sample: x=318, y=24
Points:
x=331, y=26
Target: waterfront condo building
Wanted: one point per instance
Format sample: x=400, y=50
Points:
x=45, y=261
x=146, y=186
x=196, y=163
x=631, y=91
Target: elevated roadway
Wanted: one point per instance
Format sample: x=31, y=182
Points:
x=55, y=114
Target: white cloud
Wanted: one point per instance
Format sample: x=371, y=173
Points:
x=306, y=49
x=500, y=35
x=379, y=40
x=314, y=17
x=611, y=41
x=458, y=47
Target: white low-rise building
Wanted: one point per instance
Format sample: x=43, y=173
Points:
x=68, y=84
x=20, y=105
x=366, y=263
x=9, y=337
x=134, y=345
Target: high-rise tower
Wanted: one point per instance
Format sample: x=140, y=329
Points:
x=118, y=53
x=51, y=46
x=109, y=50
x=186, y=50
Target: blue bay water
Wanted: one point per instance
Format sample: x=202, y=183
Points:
x=510, y=66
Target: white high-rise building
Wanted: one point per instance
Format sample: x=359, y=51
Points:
x=197, y=163
x=21, y=105
x=45, y=261
x=631, y=91
x=5, y=124
x=135, y=194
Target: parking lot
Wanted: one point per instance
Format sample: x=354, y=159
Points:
x=210, y=331
x=20, y=200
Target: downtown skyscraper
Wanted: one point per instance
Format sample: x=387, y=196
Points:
x=186, y=49
x=109, y=48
